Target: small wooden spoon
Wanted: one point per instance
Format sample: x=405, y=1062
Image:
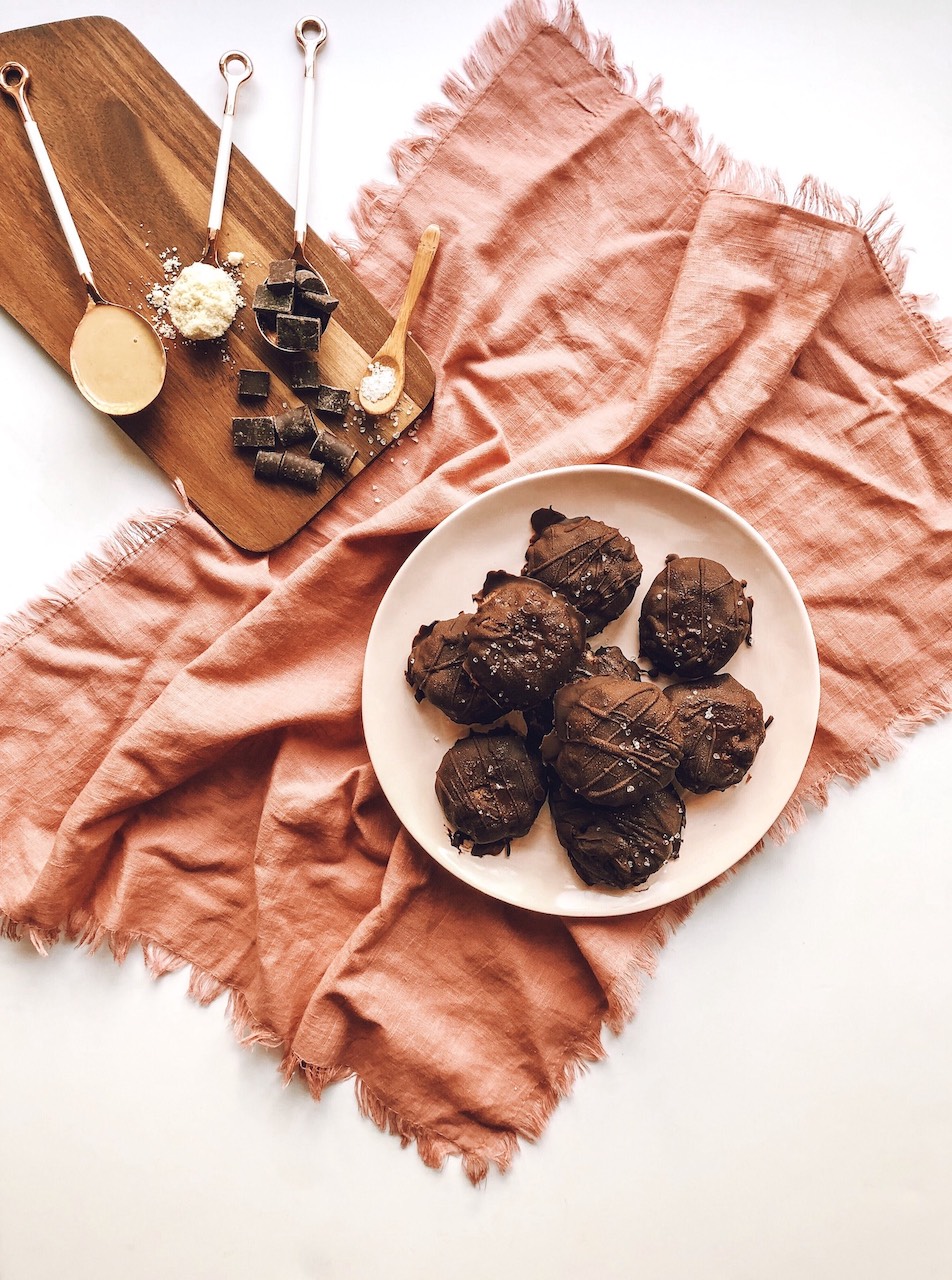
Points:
x=373, y=394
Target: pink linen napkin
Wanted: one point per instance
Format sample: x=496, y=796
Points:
x=182, y=764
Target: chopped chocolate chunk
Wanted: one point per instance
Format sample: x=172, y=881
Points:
x=299, y=333
x=268, y=464
x=305, y=375
x=316, y=304
x=254, y=384
x=309, y=281
x=288, y=468
x=281, y=276
x=294, y=425
x=253, y=433
x=301, y=471
x=332, y=400
x=337, y=453
x=267, y=304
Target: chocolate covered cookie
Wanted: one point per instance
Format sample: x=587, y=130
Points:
x=435, y=672
x=619, y=847
x=490, y=787
x=523, y=641
x=607, y=660
x=722, y=726
x=591, y=563
x=617, y=741
x=694, y=617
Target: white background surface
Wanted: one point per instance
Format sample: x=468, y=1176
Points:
x=782, y=1105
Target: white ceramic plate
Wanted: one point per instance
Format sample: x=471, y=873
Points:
x=407, y=739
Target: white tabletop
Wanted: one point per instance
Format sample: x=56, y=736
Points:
x=782, y=1105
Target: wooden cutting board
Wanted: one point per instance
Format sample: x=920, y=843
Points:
x=135, y=157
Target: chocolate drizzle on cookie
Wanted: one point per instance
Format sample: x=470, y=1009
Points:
x=591, y=563
x=490, y=787
x=694, y=617
x=435, y=672
x=722, y=724
x=617, y=741
x=621, y=847
x=523, y=641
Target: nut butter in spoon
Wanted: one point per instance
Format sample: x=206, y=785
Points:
x=116, y=358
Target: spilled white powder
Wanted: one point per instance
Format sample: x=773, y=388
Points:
x=203, y=301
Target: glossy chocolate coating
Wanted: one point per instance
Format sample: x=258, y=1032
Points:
x=694, y=617
x=617, y=740
x=491, y=788
x=524, y=640
x=591, y=563
x=621, y=847
x=435, y=672
x=608, y=660
x=722, y=724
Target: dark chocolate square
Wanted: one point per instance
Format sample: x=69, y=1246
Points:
x=253, y=433
x=299, y=333
x=332, y=400
x=305, y=375
x=269, y=304
x=254, y=384
x=281, y=275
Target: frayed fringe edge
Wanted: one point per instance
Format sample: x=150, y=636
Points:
x=621, y=997
x=434, y=1148
x=116, y=550
x=885, y=746
x=203, y=987
x=377, y=202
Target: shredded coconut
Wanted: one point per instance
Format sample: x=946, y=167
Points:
x=235, y=258
x=203, y=301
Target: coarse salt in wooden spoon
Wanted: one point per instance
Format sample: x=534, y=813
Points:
x=382, y=385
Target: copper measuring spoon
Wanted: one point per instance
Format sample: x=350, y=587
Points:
x=382, y=385
x=236, y=67
x=116, y=358
x=208, y=274
x=311, y=34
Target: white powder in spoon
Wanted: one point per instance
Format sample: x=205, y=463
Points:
x=203, y=301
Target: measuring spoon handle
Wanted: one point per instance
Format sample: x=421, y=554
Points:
x=14, y=80
x=236, y=67
x=311, y=34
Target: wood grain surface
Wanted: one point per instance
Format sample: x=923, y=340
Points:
x=135, y=156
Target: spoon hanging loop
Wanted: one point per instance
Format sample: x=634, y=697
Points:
x=236, y=68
